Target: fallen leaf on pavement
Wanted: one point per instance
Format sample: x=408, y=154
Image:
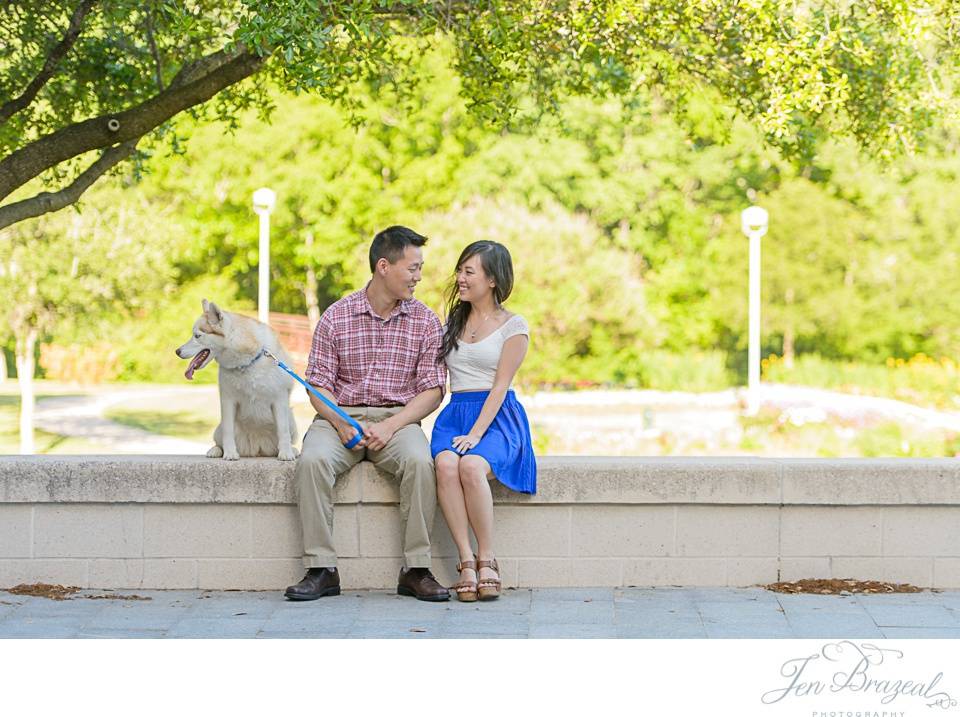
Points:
x=53, y=592
x=841, y=586
x=60, y=592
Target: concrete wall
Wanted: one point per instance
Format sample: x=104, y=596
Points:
x=191, y=522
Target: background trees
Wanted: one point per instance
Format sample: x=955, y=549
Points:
x=611, y=145
x=73, y=275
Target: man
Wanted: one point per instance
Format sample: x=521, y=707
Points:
x=374, y=354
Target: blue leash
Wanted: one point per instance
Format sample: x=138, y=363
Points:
x=330, y=404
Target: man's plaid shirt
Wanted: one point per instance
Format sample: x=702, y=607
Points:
x=364, y=360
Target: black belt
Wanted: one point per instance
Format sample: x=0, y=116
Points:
x=389, y=405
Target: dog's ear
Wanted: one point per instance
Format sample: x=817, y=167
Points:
x=213, y=312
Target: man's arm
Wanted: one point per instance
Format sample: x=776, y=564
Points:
x=344, y=429
x=323, y=365
x=421, y=405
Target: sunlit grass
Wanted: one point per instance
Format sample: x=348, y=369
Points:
x=165, y=423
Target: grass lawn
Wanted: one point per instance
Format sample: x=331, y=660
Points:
x=179, y=424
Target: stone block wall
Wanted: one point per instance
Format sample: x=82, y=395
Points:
x=191, y=522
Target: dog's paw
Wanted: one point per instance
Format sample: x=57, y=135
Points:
x=215, y=452
x=288, y=454
x=231, y=455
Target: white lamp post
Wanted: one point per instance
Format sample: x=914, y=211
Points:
x=264, y=200
x=753, y=222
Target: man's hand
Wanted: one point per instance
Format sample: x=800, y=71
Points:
x=379, y=434
x=347, y=432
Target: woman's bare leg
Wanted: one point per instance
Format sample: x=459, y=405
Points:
x=474, y=472
x=452, y=504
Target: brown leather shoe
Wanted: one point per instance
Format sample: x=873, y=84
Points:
x=317, y=583
x=420, y=583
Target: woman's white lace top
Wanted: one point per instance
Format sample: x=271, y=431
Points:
x=473, y=366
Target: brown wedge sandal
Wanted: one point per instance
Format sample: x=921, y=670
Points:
x=488, y=588
x=470, y=594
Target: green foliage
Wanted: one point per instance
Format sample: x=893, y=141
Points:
x=582, y=297
x=692, y=371
x=147, y=343
x=623, y=218
x=336, y=186
x=921, y=380
x=879, y=71
x=74, y=274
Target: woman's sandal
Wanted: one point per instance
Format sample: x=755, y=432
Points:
x=470, y=594
x=489, y=588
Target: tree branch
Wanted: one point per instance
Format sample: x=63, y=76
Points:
x=13, y=106
x=100, y=132
x=52, y=201
x=200, y=67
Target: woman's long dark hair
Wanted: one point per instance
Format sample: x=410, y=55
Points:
x=497, y=264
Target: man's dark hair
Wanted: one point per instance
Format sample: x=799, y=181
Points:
x=391, y=243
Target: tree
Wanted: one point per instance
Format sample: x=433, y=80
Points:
x=81, y=76
x=582, y=296
x=336, y=186
x=74, y=270
x=668, y=192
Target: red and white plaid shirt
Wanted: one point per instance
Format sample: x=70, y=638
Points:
x=364, y=360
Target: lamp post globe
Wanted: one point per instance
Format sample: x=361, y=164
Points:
x=264, y=199
x=754, y=220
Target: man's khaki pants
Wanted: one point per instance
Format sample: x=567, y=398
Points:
x=323, y=459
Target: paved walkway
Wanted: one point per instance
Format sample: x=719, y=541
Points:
x=83, y=417
x=607, y=418
x=538, y=613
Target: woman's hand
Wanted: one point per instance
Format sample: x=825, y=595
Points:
x=462, y=444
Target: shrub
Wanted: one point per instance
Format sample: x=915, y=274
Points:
x=920, y=380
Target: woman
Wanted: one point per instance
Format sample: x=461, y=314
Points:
x=483, y=432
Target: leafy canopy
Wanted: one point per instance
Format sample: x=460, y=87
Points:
x=86, y=85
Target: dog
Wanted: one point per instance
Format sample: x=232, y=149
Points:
x=255, y=414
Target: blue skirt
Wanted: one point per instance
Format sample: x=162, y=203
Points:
x=506, y=445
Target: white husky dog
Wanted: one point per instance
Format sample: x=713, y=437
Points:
x=255, y=415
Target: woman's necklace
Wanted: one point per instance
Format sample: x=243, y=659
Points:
x=473, y=334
